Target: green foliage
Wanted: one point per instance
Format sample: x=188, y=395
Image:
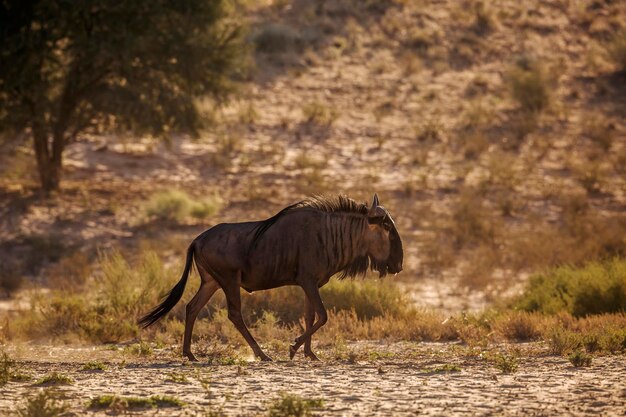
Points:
x=597, y=287
x=130, y=403
x=176, y=206
x=291, y=405
x=91, y=66
x=580, y=358
x=44, y=404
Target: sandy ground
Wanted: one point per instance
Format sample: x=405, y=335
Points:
x=402, y=381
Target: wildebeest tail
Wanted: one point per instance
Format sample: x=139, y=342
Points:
x=173, y=297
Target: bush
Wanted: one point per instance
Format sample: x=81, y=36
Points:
x=579, y=358
x=108, y=312
x=319, y=114
x=595, y=288
x=44, y=404
x=617, y=50
x=529, y=84
x=276, y=38
x=176, y=206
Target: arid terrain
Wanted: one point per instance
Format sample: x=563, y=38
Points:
x=493, y=132
x=409, y=379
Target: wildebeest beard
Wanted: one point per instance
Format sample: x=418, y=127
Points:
x=361, y=264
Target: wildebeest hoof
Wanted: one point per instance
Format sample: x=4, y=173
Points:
x=292, y=351
x=311, y=355
x=265, y=358
x=190, y=356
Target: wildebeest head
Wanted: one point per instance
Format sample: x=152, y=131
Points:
x=384, y=244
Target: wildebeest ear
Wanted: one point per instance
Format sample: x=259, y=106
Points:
x=376, y=214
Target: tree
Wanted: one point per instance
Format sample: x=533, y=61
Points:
x=74, y=66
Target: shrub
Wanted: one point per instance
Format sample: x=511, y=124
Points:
x=507, y=364
x=579, y=358
x=617, y=50
x=5, y=368
x=597, y=287
x=11, y=278
x=291, y=405
x=276, y=38
x=319, y=114
x=519, y=326
x=529, y=84
x=44, y=404
x=176, y=206
x=562, y=341
x=108, y=312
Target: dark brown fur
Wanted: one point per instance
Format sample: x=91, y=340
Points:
x=305, y=244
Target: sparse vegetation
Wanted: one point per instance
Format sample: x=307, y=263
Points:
x=291, y=405
x=177, y=378
x=133, y=403
x=54, y=378
x=443, y=369
x=94, y=366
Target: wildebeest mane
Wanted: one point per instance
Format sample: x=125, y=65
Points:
x=336, y=204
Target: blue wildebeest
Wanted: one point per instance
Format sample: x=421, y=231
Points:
x=305, y=244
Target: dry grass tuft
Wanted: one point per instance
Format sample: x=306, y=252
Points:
x=291, y=405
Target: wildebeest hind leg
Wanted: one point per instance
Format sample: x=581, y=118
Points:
x=313, y=294
x=233, y=299
x=309, y=318
x=208, y=286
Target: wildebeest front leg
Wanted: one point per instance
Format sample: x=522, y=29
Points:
x=233, y=299
x=309, y=318
x=313, y=294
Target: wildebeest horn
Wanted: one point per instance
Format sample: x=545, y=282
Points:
x=375, y=202
x=376, y=213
